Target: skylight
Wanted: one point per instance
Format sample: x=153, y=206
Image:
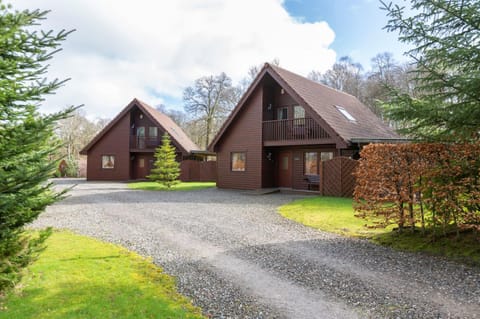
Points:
x=345, y=113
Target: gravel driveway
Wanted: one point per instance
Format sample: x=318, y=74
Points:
x=237, y=258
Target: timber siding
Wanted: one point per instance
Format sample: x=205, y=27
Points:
x=283, y=115
x=134, y=152
x=244, y=136
x=114, y=142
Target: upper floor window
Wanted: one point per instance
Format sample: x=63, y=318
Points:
x=153, y=131
x=282, y=113
x=299, y=115
x=298, y=112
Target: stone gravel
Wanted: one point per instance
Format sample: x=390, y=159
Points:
x=235, y=257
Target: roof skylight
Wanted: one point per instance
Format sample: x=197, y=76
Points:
x=345, y=113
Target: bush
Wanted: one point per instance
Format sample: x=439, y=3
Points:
x=436, y=185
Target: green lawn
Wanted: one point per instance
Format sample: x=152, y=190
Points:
x=336, y=215
x=183, y=186
x=80, y=277
x=330, y=214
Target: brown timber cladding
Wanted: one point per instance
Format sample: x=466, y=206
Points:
x=114, y=142
x=244, y=135
x=197, y=171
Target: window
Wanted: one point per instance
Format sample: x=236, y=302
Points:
x=141, y=163
x=238, y=162
x=141, y=131
x=326, y=156
x=298, y=112
x=282, y=113
x=285, y=163
x=311, y=163
x=108, y=161
x=345, y=113
x=153, y=131
x=299, y=115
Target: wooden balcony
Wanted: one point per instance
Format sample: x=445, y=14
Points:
x=143, y=143
x=294, y=132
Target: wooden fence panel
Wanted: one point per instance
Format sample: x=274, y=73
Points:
x=337, y=177
x=197, y=171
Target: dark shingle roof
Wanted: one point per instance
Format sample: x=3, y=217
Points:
x=176, y=133
x=171, y=127
x=323, y=101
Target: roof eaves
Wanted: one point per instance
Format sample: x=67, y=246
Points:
x=237, y=108
x=340, y=141
x=84, y=151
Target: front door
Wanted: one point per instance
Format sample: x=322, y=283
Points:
x=285, y=169
x=141, y=165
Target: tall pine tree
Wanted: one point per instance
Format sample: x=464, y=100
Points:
x=166, y=169
x=27, y=140
x=445, y=36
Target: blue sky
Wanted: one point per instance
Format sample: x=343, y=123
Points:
x=153, y=50
x=358, y=27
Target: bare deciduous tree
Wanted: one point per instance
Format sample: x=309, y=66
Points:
x=345, y=75
x=210, y=100
x=75, y=132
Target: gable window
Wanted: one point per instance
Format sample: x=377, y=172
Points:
x=108, y=161
x=345, y=113
x=153, y=131
x=299, y=115
x=282, y=113
x=238, y=161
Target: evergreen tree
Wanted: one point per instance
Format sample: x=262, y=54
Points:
x=27, y=141
x=166, y=169
x=445, y=37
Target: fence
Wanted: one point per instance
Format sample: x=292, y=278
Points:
x=337, y=177
x=198, y=171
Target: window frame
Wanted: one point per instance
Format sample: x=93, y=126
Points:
x=150, y=131
x=280, y=111
x=110, y=157
x=305, y=164
x=320, y=158
x=346, y=114
x=232, y=169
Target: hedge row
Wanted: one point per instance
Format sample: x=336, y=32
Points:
x=425, y=185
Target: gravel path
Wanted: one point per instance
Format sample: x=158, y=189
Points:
x=237, y=258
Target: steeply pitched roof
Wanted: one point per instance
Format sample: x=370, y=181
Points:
x=176, y=133
x=324, y=102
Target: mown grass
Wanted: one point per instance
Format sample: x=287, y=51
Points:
x=336, y=215
x=183, y=186
x=79, y=277
x=330, y=214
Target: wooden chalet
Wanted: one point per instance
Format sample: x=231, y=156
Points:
x=124, y=149
x=285, y=127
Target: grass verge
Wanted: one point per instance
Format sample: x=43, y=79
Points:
x=80, y=277
x=331, y=214
x=336, y=215
x=183, y=186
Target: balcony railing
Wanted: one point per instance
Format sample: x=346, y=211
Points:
x=296, y=129
x=143, y=142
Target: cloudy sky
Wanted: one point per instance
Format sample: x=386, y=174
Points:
x=153, y=49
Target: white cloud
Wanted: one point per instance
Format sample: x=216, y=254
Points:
x=154, y=49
